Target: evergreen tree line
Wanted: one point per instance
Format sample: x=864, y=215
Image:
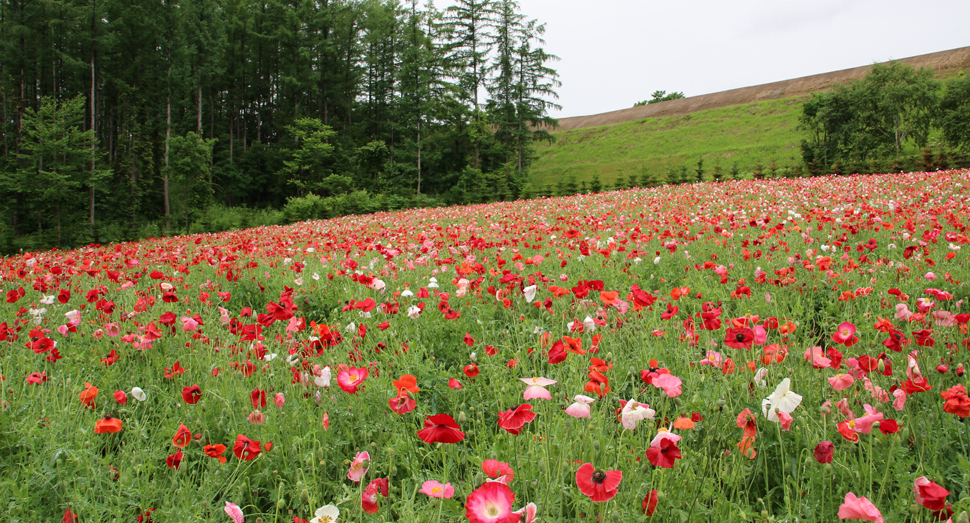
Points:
x=128, y=118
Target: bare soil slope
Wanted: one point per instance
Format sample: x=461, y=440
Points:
x=945, y=63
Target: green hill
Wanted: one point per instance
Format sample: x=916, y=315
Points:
x=742, y=134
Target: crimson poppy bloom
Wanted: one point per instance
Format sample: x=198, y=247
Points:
x=88, y=394
x=929, y=494
x=191, y=395
x=650, y=503
x=258, y=398
x=36, y=378
x=471, y=370
x=513, y=420
x=441, y=428
x=739, y=338
x=664, y=454
x=245, y=448
x=175, y=460
x=403, y=403
x=599, y=485
x=824, y=452
x=368, y=499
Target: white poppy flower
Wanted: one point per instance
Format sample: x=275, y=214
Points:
x=781, y=400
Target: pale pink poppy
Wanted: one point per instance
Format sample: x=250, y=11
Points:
x=357, y=469
x=537, y=388
x=189, y=324
x=841, y=381
x=234, y=512
x=902, y=312
x=280, y=400
x=580, y=408
x=435, y=489
x=713, y=359
x=528, y=513
x=256, y=417
x=900, y=402
x=669, y=383
x=816, y=355
x=859, y=508
x=633, y=412
x=785, y=419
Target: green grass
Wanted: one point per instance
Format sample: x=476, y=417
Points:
x=742, y=134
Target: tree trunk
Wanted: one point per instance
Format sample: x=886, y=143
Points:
x=94, y=134
x=168, y=134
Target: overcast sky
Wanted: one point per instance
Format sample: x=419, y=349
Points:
x=616, y=52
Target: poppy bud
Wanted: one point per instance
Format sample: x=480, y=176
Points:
x=721, y=402
x=661, y=495
x=913, y=509
x=960, y=375
x=963, y=517
x=462, y=418
x=881, y=366
x=942, y=368
x=479, y=478
x=596, y=445
x=828, y=469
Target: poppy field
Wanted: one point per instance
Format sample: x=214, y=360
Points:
x=783, y=350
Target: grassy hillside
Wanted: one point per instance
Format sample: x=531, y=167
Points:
x=742, y=134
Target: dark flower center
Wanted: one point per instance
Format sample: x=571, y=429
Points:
x=739, y=337
x=599, y=476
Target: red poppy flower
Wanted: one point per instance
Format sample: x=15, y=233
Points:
x=258, y=398
x=650, y=503
x=174, y=370
x=920, y=384
x=957, y=401
x=513, y=420
x=121, y=397
x=402, y=404
x=368, y=499
x=215, y=451
x=496, y=469
x=739, y=338
x=191, y=395
x=88, y=394
x=107, y=425
x=182, y=436
x=888, y=426
x=471, y=370
x=36, y=378
x=664, y=454
x=599, y=485
x=245, y=448
x=441, y=428
x=175, y=460
x=824, y=452
x=929, y=494
x=407, y=382
x=111, y=358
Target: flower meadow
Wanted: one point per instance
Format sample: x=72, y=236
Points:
x=785, y=350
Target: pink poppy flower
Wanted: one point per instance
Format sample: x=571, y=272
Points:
x=279, y=400
x=816, y=355
x=357, y=469
x=900, y=402
x=841, y=381
x=491, y=503
x=713, y=359
x=256, y=417
x=845, y=334
x=455, y=384
x=902, y=312
x=529, y=511
x=669, y=383
x=234, y=512
x=537, y=388
x=634, y=411
x=859, y=508
x=580, y=408
x=435, y=489
x=351, y=378
x=785, y=419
